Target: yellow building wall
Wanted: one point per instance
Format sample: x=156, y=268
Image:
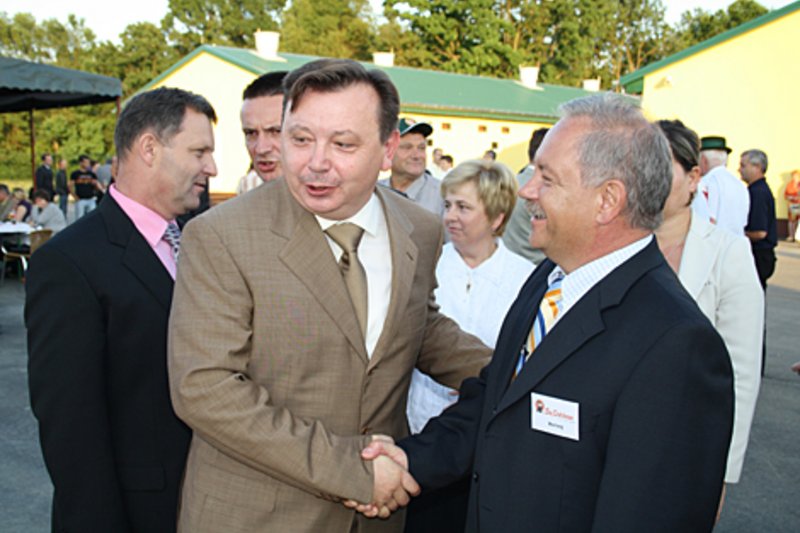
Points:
x=469, y=138
x=745, y=89
x=221, y=83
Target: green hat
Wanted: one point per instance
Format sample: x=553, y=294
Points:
x=409, y=125
x=713, y=143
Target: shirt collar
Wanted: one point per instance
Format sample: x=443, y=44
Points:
x=581, y=280
x=149, y=223
x=367, y=218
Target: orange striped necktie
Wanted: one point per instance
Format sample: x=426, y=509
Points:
x=549, y=309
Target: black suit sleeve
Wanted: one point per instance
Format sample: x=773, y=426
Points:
x=66, y=347
x=672, y=419
x=444, y=451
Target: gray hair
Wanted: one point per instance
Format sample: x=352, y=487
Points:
x=715, y=158
x=623, y=145
x=756, y=157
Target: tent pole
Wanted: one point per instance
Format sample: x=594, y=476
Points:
x=33, y=147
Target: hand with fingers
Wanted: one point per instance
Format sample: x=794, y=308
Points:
x=393, y=485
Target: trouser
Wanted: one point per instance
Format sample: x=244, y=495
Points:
x=63, y=200
x=84, y=206
x=765, y=264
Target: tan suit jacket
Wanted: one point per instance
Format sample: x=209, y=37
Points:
x=268, y=365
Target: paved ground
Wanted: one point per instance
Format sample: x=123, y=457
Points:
x=766, y=500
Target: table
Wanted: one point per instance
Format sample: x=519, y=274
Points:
x=15, y=228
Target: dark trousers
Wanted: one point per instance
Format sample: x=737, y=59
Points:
x=765, y=266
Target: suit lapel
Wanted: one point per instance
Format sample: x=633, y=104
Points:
x=137, y=256
x=693, y=274
x=308, y=256
x=582, y=322
x=404, y=266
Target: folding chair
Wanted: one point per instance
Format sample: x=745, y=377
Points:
x=38, y=238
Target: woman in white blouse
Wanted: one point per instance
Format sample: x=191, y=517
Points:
x=479, y=279
x=717, y=270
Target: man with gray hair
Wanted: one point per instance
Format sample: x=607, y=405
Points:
x=721, y=198
x=761, y=226
x=609, y=409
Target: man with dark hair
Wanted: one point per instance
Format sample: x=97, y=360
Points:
x=608, y=403
x=83, y=186
x=300, y=310
x=46, y=215
x=262, y=108
x=62, y=186
x=518, y=231
x=44, y=175
x=111, y=442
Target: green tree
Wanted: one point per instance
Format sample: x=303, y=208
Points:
x=336, y=28
x=467, y=36
x=143, y=54
x=191, y=23
x=698, y=25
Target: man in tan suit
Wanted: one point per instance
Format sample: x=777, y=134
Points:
x=280, y=375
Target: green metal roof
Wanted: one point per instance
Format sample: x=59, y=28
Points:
x=634, y=82
x=26, y=85
x=426, y=91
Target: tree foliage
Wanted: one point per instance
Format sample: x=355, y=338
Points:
x=191, y=23
x=335, y=28
x=570, y=40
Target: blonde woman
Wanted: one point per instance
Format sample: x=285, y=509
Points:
x=479, y=279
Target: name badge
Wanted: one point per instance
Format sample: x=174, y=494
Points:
x=555, y=416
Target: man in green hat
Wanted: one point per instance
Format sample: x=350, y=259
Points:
x=720, y=195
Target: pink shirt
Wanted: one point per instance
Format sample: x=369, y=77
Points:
x=150, y=224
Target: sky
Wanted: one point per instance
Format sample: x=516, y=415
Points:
x=108, y=20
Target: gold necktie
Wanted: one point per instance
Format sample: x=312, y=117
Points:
x=348, y=236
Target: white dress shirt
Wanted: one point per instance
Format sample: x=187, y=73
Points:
x=373, y=251
x=724, y=198
x=478, y=300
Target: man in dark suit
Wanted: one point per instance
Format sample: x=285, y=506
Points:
x=98, y=300
x=616, y=415
x=44, y=175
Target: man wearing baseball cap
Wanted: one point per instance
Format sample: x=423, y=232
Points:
x=720, y=195
x=408, y=167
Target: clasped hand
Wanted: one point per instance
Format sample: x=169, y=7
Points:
x=393, y=486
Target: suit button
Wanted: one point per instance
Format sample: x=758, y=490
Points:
x=366, y=431
x=475, y=477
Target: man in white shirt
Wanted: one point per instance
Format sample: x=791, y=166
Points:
x=721, y=196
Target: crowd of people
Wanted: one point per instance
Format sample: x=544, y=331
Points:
x=577, y=347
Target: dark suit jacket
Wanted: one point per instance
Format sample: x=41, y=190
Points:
x=97, y=306
x=44, y=179
x=653, y=382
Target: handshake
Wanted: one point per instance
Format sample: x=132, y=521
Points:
x=393, y=485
